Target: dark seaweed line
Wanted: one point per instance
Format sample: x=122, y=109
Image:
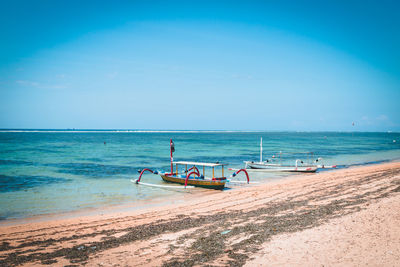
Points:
x=125, y=219
x=206, y=249
x=84, y=226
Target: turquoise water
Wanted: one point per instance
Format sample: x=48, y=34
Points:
x=44, y=172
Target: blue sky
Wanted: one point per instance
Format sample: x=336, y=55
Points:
x=207, y=65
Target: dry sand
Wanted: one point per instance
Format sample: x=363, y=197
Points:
x=345, y=217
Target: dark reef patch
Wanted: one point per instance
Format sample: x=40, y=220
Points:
x=22, y=182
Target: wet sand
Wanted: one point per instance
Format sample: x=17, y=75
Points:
x=343, y=217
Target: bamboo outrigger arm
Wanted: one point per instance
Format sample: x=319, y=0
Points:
x=137, y=181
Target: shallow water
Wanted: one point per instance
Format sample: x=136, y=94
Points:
x=44, y=172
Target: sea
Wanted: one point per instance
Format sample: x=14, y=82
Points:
x=50, y=172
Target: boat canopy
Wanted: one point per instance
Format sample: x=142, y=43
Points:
x=199, y=163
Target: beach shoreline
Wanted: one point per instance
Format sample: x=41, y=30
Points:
x=219, y=228
x=147, y=204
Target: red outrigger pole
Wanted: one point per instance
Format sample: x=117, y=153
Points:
x=194, y=168
x=187, y=177
x=242, y=170
x=141, y=173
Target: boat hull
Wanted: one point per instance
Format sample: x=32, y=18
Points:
x=204, y=183
x=281, y=168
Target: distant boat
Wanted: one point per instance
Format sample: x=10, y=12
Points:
x=269, y=165
x=323, y=166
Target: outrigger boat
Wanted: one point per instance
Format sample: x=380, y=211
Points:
x=299, y=166
x=191, y=176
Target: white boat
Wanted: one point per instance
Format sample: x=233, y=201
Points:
x=280, y=167
x=321, y=165
x=269, y=165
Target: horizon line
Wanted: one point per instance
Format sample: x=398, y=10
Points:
x=73, y=130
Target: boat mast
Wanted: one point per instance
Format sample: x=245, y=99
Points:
x=172, y=149
x=261, y=150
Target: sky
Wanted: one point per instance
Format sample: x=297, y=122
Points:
x=200, y=65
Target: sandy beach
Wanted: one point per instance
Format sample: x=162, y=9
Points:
x=346, y=217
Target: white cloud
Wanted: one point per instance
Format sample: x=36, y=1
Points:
x=112, y=75
x=40, y=85
x=28, y=83
x=382, y=117
x=242, y=76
